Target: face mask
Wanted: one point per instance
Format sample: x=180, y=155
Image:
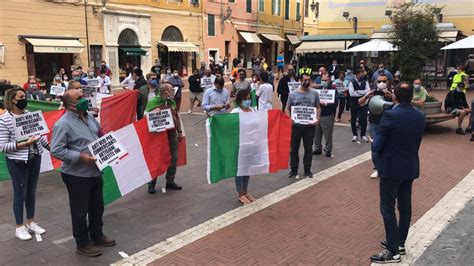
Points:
x=21, y=104
x=305, y=84
x=458, y=89
x=381, y=86
x=175, y=75
x=381, y=69
x=246, y=103
x=57, y=78
x=360, y=79
x=77, y=78
x=291, y=72
x=154, y=83
x=90, y=74
x=242, y=76
x=324, y=84
x=168, y=72
x=33, y=86
x=82, y=105
x=417, y=87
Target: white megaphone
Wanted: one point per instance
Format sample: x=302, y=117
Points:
x=377, y=105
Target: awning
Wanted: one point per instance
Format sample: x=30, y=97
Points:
x=133, y=50
x=448, y=36
x=293, y=39
x=186, y=47
x=380, y=35
x=250, y=37
x=322, y=47
x=273, y=37
x=373, y=46
x=466, y=43
x=60, y=46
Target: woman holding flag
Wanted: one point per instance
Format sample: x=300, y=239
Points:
x=244, y=104
x=23, y=161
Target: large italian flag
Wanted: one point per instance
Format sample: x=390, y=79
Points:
x=249, y=143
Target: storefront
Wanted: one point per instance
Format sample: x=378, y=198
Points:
x=248, y=46
x=272, y=44
x=290, y=46
x=46, y=55
x=175, y=53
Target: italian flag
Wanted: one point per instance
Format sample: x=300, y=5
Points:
x=148, y=157
x=248, y=143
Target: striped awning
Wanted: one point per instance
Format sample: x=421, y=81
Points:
x=180, y=46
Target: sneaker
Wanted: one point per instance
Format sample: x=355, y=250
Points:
x=151, y=188
x=338, y=120
x=190, y=111
x=401, y=249
x=317, y=152
x=89, y=251
x=375, y=174
x=468, y=130
x=22, y=233
x=244, y=200
x=354, y=139
x=35, y=228
x=365, y=139
x=104, y=241
x=308, y=174
x=173, y=186
x=329, y=154
x=385, y=256
x=292, y=174
x=459, y=131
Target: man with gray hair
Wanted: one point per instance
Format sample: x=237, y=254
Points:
x=72, y=133
x=207, y=81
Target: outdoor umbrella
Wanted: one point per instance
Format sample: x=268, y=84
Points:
x=373, y=46
x=466, y=43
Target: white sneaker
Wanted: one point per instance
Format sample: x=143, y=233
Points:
x=190, y=111
x=22, y=234
x=375, y=174
x=365, y=139
x=354, y=139
x=35, y=228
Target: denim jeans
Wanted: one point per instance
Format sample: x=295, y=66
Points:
x=242, y=183
x=392, y=190
x=373, y=127
x=24, y=180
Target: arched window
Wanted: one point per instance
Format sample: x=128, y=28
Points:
x=172, y=34
x=128, y=37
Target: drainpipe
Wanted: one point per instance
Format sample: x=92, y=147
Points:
x=87, y=33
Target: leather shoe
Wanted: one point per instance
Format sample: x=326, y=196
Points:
x=104, y=241
x=89, y=251
x=151, y=188
x=173, y=186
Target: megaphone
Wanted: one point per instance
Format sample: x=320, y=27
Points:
x=377, y=105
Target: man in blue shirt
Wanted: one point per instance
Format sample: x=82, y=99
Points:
x=381, y=70
x=216, y=99
x=280, y=64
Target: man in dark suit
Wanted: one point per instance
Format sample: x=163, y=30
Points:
x=333, y=70
x=396, y=143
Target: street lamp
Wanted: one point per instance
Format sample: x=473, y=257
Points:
x=315, y=8
x=226, y=16
x=354, y=20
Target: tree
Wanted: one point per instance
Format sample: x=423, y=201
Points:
x=414, y=32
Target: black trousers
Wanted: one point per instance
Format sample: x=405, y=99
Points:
x=86, y=202
x=284, y=100
x=390, y=191
x=358, y=113
x=343, y=105
x=307, y=134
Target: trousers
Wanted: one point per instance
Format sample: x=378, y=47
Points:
x=171, y=171
x=298, y=133
x=392, y=190
x=358, y=113
x=86, y=203
x=242, y=183
x=324, y=128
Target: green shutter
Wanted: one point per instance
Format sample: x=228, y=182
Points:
x=211, y=25
x=287, y=9
x=249, y=6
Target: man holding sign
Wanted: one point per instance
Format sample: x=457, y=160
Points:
x=303, y=108
x=72, y=134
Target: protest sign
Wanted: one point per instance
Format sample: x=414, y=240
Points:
x=107, y=150
x=293, y=85
x=57, y=90
x=327, y=96
x=88, y=91
x=303, y=115
x=207, y=82
x=160, y=121
x=93, y=83
x=29, y=124
x=175, y=90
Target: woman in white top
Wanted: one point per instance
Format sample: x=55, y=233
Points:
x=264, y=93
x=244, y=104
x=23, y=159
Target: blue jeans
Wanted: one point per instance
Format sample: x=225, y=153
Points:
x=241, y=183
x=373, y=127
x=24, y=180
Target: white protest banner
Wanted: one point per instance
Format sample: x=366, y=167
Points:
x=303, y=115
x=89, y=91
x=29, y=124
x=160, y=121
x=93, y=83
x=107, y=150
x=92, y=105
x=293, y=85
x=57, y=90
x=175, y=90
x=207, y=82
x=327, y=96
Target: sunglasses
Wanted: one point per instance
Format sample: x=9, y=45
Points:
x=381, y=81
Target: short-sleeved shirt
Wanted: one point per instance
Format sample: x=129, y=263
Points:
x=280, y=61
x=309, y=99
x=240, y=85
x=420, y=95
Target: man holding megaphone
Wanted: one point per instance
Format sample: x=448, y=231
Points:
x=379, y=99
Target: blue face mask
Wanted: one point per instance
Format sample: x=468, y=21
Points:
x=247, y=103
x=154, y=83
x=324, y=84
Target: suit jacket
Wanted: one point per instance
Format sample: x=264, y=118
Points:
x=334, y=72
x=397, y=142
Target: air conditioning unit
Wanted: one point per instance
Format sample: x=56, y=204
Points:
x=194, y=2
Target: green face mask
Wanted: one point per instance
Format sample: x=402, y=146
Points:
x=82, y=105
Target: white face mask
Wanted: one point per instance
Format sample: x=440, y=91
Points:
x=381, y=86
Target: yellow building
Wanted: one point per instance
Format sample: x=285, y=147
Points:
x=279, y=22
x=38, y=37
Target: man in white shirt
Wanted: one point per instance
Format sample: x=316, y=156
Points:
x=128, y=83
x=358, y=88
x=264, y=93
x=207, y=80
x=104, y=83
